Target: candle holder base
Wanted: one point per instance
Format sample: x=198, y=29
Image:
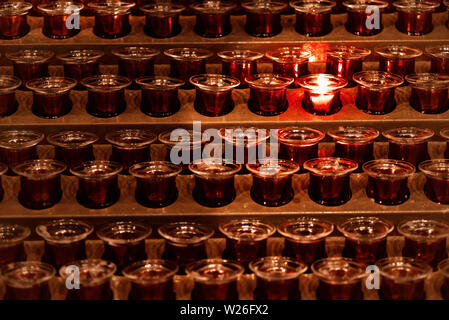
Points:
x=115, y=198
x=92, y=110
x=36, y=112
x=41, y=204
x=21, y=35
x=112, y=36
x=263, y=34
x=148, y=31
x=11, y=111
x=334, y=107
x=322, y=33
x=228, y=109
x=157, y=204
x=375, y=112
x=160, y=114
x=222, y=34
x=71, y=34
x=259, y=112
x=286, y=199
x=332, y=203
x=214, y=203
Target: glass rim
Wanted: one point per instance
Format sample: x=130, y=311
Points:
x=264, y=6
x=390, y=164
x=51, y=85
x=264, y=168
x=354, y=134
x=426, y=269
x=327, y=226
x=428, y=81
x=113, y=167
x=200, y=81
x=229, y=168
x=81, y=139
x=15, y=8
x=398, y=52
x=136, y=169
x=238, y=270
x=416, y=5
x=135, y=53
x=80, y=56
x=405, y=228
x=114, y=7
x=59, y=7
x=239, y=55
x=97, y=83
x=441, y=51
x=188, y=54
x=350, y=52
x=338, y=262
x=443, y=267
x=312, y=83
x=246, y=139
x=162, y=8
x=296, y=268
x=42, y=231
x=118, y=138
x=284, y=135
x=432, y=168
x=159, y=83
x=361, y=5
x=288, y=55
x=53, y=168
x=267, y=229
x=265, y=81
x=32, y=138
x=108, y=267
x=104, y=232
x=445, y=133
x=166, y=231
x=48, y=270
x=23, y=233
x=377, y=80
x=164, y=137
x=9, y=83
x=313, y=6
x=30, y=56
x=213, y=7
x=351, y=166
x=365, y=222
x=171, y=267
x=403, y=135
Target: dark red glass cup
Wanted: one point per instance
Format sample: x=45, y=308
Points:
x=51, y=96
x=151, y=279
x=106, y=95
x=344, y=61
x=8, y=101
x=322, y=93
x=27, y=280
x=97, y=183
x=185, y=242
x=65, y=240
x=397, y=59
x=445, y=135
x=376, y=91
x=40, y=183
x=415, y=16
x=425, y=240
x=156, y=183
x=73, y=147
x=130, y=146
x=437, y=180
x=239, y=64
x=187, y=62
x=290, y=62
x=214, y=182
x=402, y=278
x=80, y=64
x=13, y=19
x=268, y=93
x=124, y=242
x=213, y=18
x=59, y=17
x=408, y=144
x=439, y=59
x=277, y=278
x=313, y=18
x=365, y=238
x=246, y=240
x=111, y=18
x=443, y=268
x=429, y=92
x=12, y=237
x=159, y=95
x=305, y=238
x=339, y=278
x=94, y=279
x=360, y=16
x=162, y=19
x=263, y=19
x=215, y=279
x=272, y=181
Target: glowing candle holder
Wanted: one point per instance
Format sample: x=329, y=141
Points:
x=8, y=101
x=322, y=93
x=344, y=61
x=313, y=18
x=415, y=16
x=375, y=91
x=13, y=19
x=112, y=19
x=239, y=64
x=397, y=59
x=162, y=19
x=429, y=92
x=80, y=64
x=290, y=62
x=437, y=180
x=11, y=244
x=213, y=18
x=263, y=18
x=439, y=59
x=57, y=17
x=443, y=268
x=359, y=16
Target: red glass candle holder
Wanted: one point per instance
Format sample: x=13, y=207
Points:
x=344, y=61
x=425, y=240
x=305, y=238
x=354, y=143
x=415, y=16
x=239, y=64
x=185, y=242
x=58, y=19
x=135, y=62
x=313, y=18
x=187, y=62
x=27, y=280
x=299, y=144
x=445, y=134
x=246, y=240
x=214, y=182
x=162, y=19
x=365, y=238
x=330, y=180
x=151, y=279
x=290, y=62
x=159, y=95
x=40, y=183
x=339, y=278
x=322, y=93
x=51, y=96
x=111, y=19
x=443, y=268
x=397, y=59
x=17, y=146
x=80, y=64
x=375, y=91
x=106, y=95
x=439, y=59
x=268, y=93
x=156, y=183
x=272, y=181
x=8, y=101
x=30, y=64
x=277, y=278
x=94, y=279
x=65, y=240
x=215, y=279
x=213, y=18
x=408, y=144
x=130, y=146
x=359, y=15
x=34, y=11
x=402, y=278
x=12, y=237
x=437, y=180
x=13, y=18
x=124, y=242
x=429, y=92
x=263, y=18
x=213, y=94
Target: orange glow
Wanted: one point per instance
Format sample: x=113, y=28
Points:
x=318, y=51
